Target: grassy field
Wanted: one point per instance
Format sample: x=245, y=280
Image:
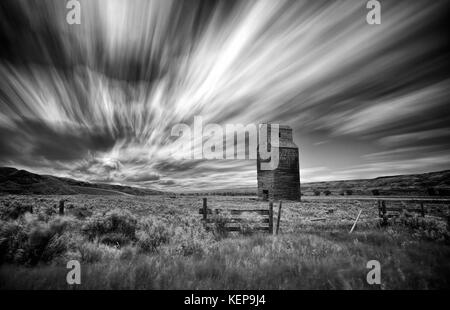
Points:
x=159, y=242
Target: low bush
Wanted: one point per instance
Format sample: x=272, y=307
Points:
x=81, y=213
x=12, y=241
x=247, y=229
x=115, y=221
x=128, y=253
x=425, y=228
x=12, y=211
x=191, y=247
x=92, y=253
x=192, y=240
x=32, y=241
x=117, y=240
x=219, y=228
x=153, y=234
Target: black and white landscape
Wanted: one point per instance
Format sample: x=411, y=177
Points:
x=90, y=170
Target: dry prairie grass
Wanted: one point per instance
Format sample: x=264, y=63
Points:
x=158, y=242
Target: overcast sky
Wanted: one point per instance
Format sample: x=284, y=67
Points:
x=97, y=101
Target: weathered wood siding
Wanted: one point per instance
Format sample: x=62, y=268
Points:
x=282, y=183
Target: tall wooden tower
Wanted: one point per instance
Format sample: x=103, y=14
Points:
x=282, y=182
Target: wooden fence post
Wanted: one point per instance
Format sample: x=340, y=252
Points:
x=383, y=210
x=422, y=209
x=205, y=208
x=279, y=217
x=271, y=217
x=61, y=207
x=356, y=221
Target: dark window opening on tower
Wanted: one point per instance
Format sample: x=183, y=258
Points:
x=265, y=194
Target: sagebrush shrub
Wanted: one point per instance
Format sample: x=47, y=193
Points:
x=191, y=247
x=12, y=211
x=128, y=253
x=81, y=213
x=115, y=221
x=49, y=211
x=46, y=240
x=56, y=246
x=220, y=226
x=32, y=241
x=152, y=234
x=92, y=252
x=249, y=224
x=115, y=239
x=192, y=239
x=247, y=229
x=425, y=228
x=12, y=239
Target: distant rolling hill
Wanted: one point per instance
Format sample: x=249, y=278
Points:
x=14, y=181
x=425, y=184
x=22, y=182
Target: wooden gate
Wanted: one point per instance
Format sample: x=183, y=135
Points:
x=265, y=222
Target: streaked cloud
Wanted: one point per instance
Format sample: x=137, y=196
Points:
x=389, y=114
x=416, y=137
x=97, y=101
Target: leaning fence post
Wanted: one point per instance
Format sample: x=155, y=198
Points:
x=205, y=209
x=271, y=217
x=356, y=221
x=279, y=217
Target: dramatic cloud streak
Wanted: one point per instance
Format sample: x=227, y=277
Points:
x=97, y=101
